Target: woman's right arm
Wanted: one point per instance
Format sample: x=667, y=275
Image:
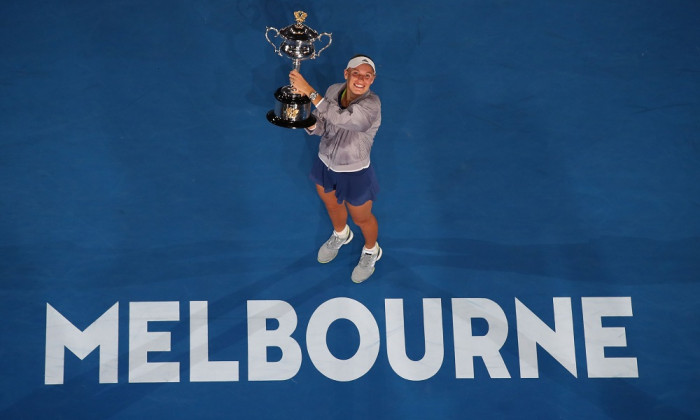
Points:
x=319, y=128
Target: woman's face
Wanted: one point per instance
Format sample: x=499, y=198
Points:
x=359, y=79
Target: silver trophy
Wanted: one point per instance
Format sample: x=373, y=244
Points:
x=293, y=110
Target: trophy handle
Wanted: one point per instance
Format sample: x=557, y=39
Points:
x=269, y=28
x=330, y=40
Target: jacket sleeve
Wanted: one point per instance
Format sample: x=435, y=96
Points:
x=357, y=117
x=320, y=128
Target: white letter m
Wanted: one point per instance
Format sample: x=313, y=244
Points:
x=61, y=333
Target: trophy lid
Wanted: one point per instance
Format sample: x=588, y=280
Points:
x=298, y=31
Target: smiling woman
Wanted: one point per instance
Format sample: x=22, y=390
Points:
x=348, y=118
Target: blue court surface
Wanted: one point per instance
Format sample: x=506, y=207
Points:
x=539, y=213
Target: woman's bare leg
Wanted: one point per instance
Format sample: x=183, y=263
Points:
x=337, y=212
x=363, y=217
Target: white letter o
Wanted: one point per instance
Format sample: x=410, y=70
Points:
x=363, y=360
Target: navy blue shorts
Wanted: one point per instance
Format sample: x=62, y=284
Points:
x=354, y=187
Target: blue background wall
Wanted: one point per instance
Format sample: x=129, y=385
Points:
x=528, y=150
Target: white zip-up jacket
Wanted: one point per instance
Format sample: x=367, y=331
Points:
x=347, y=134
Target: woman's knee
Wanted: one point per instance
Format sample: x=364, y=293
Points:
x=362, y=215
x=364, y=220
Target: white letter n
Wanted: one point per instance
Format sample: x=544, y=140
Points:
x=558, y=342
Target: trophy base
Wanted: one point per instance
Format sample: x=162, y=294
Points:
x=274, y=119
x=292, y=110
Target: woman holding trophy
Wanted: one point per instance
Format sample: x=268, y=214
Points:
x=347, y=119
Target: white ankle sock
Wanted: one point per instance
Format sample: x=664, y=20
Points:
x=344, y=233
x=372, y=251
